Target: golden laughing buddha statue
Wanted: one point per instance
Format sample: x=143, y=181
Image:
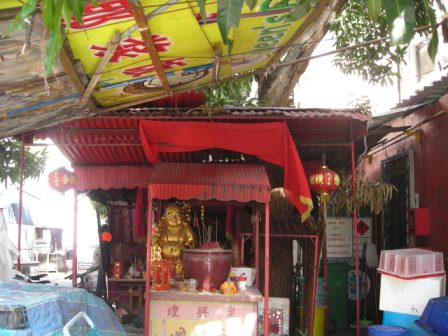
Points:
x=174, y=235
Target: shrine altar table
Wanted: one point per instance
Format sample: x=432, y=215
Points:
x=203, y=313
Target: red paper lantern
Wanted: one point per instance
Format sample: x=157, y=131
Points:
x=324, y=181
x=61, y=180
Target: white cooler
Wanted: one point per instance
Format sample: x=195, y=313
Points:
x=409, y=296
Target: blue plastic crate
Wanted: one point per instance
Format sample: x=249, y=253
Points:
x=435, y=317
x=404, y=320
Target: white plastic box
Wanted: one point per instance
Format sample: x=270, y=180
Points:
x=409, y=296
x=278, y=311
x=411, y=263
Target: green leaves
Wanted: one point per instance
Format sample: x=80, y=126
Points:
x=19, y=21
x=374, y=9
x=228, y=17
x=10, y=158
x=52, y=12
x=235, y=93
x=301, y=9
x=77, y=7
x=201, y=5
x=67, y=12
x=251, y=4
x=374, y=62
x=434, y=43
x=400, y=16
x=229, y=12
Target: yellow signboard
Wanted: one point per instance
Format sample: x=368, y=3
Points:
x=5, y=4
x=185, y=44
x=188, y=45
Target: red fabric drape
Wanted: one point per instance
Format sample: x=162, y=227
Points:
x=139, y=214
x=271, y=142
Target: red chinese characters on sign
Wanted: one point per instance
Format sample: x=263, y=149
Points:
x=231, y=311
x=172, y=311
x=133, y=47
x=102, y=14
x=202, y=312
x=145, y=69
x=61, y=180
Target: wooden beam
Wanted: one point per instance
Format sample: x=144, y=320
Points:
x=217, y=64
x=111, y=46
x=73, y=75
x=140, y=19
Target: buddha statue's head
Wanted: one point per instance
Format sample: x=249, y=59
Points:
x=174, y=215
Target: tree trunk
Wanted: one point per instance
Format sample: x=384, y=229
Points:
x=275, y=87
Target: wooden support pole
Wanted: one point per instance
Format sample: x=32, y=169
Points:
x=217, y=64
x=111, y=46
x=67, y=64
x=19, y=216
x=140, y=19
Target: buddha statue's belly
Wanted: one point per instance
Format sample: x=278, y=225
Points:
x=171, y=250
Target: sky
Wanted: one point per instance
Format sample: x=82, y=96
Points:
x=324, y=86
x=56, y=210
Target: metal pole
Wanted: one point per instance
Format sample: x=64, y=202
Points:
x=313, y=301
x=257, y=245
x=355, y=233
x=148, y=267
x=75, y=239
x=19, y=216
x=266, y=271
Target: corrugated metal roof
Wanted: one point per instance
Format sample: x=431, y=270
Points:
x=112, y=177
x=238, y=112
x=426, y=95
x=113, y=138
x=223, y=182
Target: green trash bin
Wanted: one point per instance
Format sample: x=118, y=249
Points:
x=338, y=304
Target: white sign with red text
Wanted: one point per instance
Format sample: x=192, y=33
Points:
x=339, y=235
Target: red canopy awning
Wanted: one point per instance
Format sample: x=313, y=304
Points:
x=271, y=142
x=223, y=182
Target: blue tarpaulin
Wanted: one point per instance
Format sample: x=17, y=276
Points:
x=48, y=308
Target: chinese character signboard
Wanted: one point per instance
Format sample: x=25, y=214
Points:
x=203, y=317
x=340, y=237
x=186, y=45
x=61, y=180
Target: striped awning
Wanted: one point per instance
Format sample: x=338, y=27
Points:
x=223, y=182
